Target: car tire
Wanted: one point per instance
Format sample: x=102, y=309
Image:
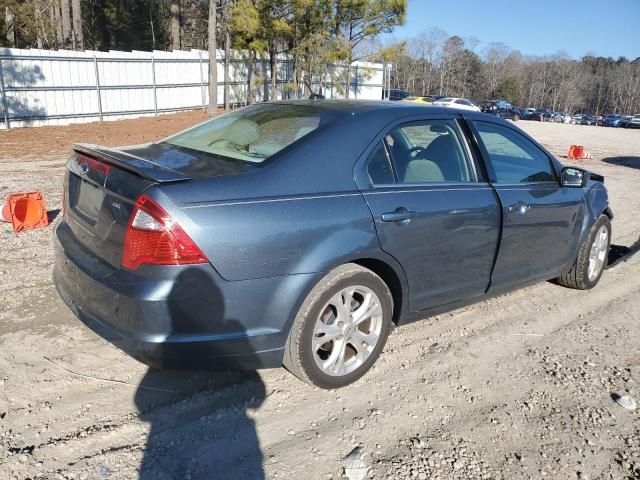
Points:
x=516, y=118
x=592, y=257
x=347, y=356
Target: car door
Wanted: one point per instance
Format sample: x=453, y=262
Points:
x=541, y=219
x=431, y=210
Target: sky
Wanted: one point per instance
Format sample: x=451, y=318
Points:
x=535, y=27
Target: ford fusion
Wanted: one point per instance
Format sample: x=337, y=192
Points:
x=297, y=234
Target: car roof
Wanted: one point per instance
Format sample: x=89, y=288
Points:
x=356, y=106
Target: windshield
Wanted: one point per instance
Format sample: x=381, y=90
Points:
x=254, y=134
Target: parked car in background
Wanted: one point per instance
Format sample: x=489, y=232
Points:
x=634, y=122
x=419, y=100
x=502, y=109
x=614, y=121
x=179, y=252
x=540, y=114
x=556, y=117
x=624, y=122
x=454, y=102
x=588, y=120
x=527, y=112
x=577, y=118
x=599, y=120
x=395, y=94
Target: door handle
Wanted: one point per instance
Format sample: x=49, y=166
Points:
x=520, y=208
x=401, y=215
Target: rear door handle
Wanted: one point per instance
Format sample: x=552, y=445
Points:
x=519, y=208
x=401, y=215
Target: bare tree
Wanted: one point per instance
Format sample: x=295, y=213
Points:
x=213, y=60
x=496, y=68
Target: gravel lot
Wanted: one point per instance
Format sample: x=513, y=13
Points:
x=519, y=386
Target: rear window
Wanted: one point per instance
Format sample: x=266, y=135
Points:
x=254, y=134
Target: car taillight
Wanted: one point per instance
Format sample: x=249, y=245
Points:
x=93, y=164
x=153, y=237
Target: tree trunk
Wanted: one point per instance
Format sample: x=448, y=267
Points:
x=37, y=17
x=58, y=22
x=273, y=65
x=227, y=56
x=65, y=22
x=347, y=92
x=175, y=24
x=76, y=10
x=251, y=94
x=11, y=27
x=294, y=75
x=213, y=62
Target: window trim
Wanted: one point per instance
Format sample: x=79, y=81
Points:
x=488, y=164
x=387, y=154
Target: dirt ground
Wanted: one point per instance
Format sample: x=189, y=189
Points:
x=519, y=386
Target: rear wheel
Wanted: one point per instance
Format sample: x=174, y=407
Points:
x=340, y=328
x=592, y=257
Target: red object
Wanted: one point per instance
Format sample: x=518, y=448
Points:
x=576, y=152
x=25, y=211
x=153, y=237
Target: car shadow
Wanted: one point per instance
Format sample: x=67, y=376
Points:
x=199, y=421
x=631, y=162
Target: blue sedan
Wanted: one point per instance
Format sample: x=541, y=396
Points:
x=614, y=121
x=298, y=234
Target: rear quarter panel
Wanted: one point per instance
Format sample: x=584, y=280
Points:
x=282, y=236
x=300, y=214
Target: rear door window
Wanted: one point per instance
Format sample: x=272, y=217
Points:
x=429, y=151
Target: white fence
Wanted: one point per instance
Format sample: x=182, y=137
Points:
x=44, y=87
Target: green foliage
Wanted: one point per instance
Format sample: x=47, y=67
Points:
x=511, y=91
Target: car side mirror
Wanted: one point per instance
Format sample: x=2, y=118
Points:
x=574, y=177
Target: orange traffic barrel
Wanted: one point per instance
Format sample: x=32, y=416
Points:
x=25, y=211
x=576, y=152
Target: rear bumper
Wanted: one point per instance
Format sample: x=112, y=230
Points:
x=184, y=317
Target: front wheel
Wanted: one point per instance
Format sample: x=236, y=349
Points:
x=592, y=257
x=340, y=328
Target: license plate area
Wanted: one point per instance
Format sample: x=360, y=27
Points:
x=89, y=201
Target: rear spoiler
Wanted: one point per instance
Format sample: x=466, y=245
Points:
x=131, y=163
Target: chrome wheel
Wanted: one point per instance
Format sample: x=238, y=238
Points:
x=347, y=330
x=598, y=253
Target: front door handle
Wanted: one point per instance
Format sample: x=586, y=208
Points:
x=520, y=208
x=401, y=215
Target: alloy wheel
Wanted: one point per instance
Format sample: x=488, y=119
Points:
x=598, y=253
x=347, y=330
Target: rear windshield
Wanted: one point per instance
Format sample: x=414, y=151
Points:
x=254, y=134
